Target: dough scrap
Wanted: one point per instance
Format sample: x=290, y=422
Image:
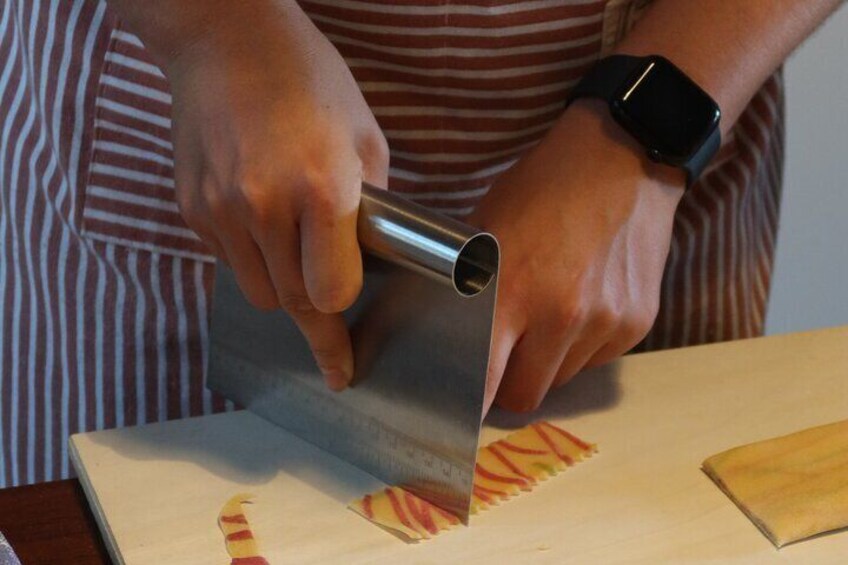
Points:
x=791, y=487
x=504, y=468
x=241, y=545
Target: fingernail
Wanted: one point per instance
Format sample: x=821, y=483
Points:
x=336, y=380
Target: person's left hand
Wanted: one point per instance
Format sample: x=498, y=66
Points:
x=584, y=221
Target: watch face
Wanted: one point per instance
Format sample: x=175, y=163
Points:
x=666, y=111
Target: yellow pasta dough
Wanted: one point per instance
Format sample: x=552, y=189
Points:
x=504, y=468
x=791, y=487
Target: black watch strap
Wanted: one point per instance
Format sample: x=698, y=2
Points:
x=604, y=80
x=699, y=161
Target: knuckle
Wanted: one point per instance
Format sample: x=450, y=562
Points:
x=187, y=204
x=261, y=218
x=375, y=148
x=491, y=389
x=642, y=327
x=185, y=199
x=324, y=204
x=330, y=182
x=563, y=378
x=327, y=359
x=568, y=315
x=296, y=304
x=336, y=297
x=608, y=317
x=637, y=326
x=520, y=403
x=652, y=310
x=185, y=174
x=494, y=374
x=251, y=199
x=252, y=194
x=521, y=396
x=261, y=300
x=646, y=318
x=190, y=214
x=219, y=205
x=322, y=191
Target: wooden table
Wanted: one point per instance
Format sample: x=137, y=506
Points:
x=51, y=524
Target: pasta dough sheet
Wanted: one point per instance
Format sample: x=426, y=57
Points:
x=791, y=487
x=241, y=545
x=504, y=468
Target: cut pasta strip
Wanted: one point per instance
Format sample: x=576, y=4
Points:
x=504, y=468
x=241, y=545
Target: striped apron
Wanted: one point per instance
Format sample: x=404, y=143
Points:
x=104, y=291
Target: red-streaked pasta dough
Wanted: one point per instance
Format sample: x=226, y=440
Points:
x=241, y=545
x=504, y=468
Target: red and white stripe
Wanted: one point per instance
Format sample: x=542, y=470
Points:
x=90, y=333
x=104, y=290
x=459, y=90
x=718, y=273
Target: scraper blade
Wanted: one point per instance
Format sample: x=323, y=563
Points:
x=421, y=332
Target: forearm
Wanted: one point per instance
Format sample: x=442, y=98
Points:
x=729, y=47
x=169, y=27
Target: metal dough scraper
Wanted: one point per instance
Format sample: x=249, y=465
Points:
x=421, y=331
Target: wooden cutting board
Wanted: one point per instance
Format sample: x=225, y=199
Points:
x=157, y=489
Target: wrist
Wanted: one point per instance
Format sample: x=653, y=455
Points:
x=603, y=171
x=606, y=143
x=174, y=30
x=589, y=171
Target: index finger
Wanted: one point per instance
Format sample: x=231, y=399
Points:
x=327, y=334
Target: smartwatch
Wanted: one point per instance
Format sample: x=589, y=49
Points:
x=661, y=107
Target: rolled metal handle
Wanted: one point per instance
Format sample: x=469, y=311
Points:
x=437, y=246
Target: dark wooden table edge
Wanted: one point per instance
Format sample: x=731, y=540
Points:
x=51, y=523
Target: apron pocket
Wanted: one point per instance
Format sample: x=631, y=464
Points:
x=129, y=196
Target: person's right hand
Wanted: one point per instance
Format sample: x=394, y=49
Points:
x=272, y=140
